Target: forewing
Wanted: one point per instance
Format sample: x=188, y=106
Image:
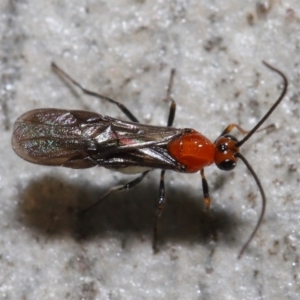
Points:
x=76, y=139
x=53, y=137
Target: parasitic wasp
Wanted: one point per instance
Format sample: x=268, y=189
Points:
x=82, y=139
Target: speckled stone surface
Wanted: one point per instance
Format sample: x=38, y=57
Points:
x=125, y=50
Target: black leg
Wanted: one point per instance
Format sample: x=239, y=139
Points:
x=172, y=110
x=118, y=188
x=205, y=191
x=160, y=206
x=122, y=107
x=162, y=196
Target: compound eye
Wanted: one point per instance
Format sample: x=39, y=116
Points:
x=230, y=137
x=225, y=150
x=227, y=165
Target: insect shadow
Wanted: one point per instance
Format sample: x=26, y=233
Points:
x=49, y=206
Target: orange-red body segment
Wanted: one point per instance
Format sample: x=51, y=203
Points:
x=193, y=150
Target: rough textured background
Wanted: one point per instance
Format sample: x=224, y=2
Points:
x=125, y=49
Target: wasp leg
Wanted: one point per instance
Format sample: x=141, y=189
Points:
x=162, y=195
x=161, y=204
x=230, y=127
x=121, y=106
x=205, y=189
x=118, y=188
x=172, y=110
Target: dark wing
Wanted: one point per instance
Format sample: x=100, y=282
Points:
x=81, y=139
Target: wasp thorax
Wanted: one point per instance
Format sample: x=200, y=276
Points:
x=225, y=152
